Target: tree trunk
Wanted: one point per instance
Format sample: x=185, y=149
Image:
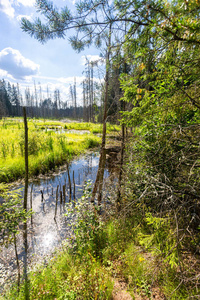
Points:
x=17, y=260
x=123, y=107
x=121, y=166
x=99, y=178
x=25, y=206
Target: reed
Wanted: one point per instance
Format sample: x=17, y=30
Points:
x=47, y=148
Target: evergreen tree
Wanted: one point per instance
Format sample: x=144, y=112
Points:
x=5, y=105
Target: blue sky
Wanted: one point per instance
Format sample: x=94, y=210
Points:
x=24, y=60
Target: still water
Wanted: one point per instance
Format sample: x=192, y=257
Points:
x=45, y=232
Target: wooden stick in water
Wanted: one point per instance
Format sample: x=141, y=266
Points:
x=56, y=201
x=74, y=186
x=31, y=202
x=42, y=196
x=17, y=261
x=70, y=185
x=60, y=197
x=64, y=194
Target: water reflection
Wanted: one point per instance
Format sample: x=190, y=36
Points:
x=44, y=230
x=62, y=130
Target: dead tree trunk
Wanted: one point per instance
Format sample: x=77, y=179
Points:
x=74, y=184
x=56, y=202
x=84, y=101
x=123, y=108
x=70, y=184
x=121, y=168
x=74, y=91
x=100, y=173
x=17, y=260
x=25, y=238
x=31, y=203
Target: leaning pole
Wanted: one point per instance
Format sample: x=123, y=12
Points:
x=25, y=239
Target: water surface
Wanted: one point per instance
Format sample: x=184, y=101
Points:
x=45, y=232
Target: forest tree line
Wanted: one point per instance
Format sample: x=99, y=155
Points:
x=42, y=104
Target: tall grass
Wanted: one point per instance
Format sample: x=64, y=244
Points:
x=93, y=128
x=47, y=149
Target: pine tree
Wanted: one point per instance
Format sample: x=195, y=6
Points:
x=6, y=107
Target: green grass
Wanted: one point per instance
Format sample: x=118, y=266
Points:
x=93, y=128
x=102, y=252
x=47, y=149
x=67, y=277
x=83, y=275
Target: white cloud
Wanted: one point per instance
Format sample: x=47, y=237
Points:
x=19, y=17
x=52, y=87
x=72, y=1
x=26, y=2
x=91, y=58
x=16, y=65
x=6, y=7
x=4, y=74
x=62, y=84
x=52, y=83
x=65, y=80
x=70, y=80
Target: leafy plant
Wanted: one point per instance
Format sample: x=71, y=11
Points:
x=12, y=214
x=89, y=233
x=161, y=239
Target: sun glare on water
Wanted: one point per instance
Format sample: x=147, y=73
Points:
x=48, y=239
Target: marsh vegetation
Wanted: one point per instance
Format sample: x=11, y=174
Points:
x=51, y=144
x=143, y=229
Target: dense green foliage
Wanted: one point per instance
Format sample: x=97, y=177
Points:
x=164, y=91
x=162, y=170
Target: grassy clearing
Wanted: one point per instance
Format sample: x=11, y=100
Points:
x=54, y=124
x=93, y=128
x=47, y=148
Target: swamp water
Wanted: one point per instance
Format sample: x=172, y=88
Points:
x=46, y=232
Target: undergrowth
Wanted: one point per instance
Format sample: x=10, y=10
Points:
x=102, y=250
